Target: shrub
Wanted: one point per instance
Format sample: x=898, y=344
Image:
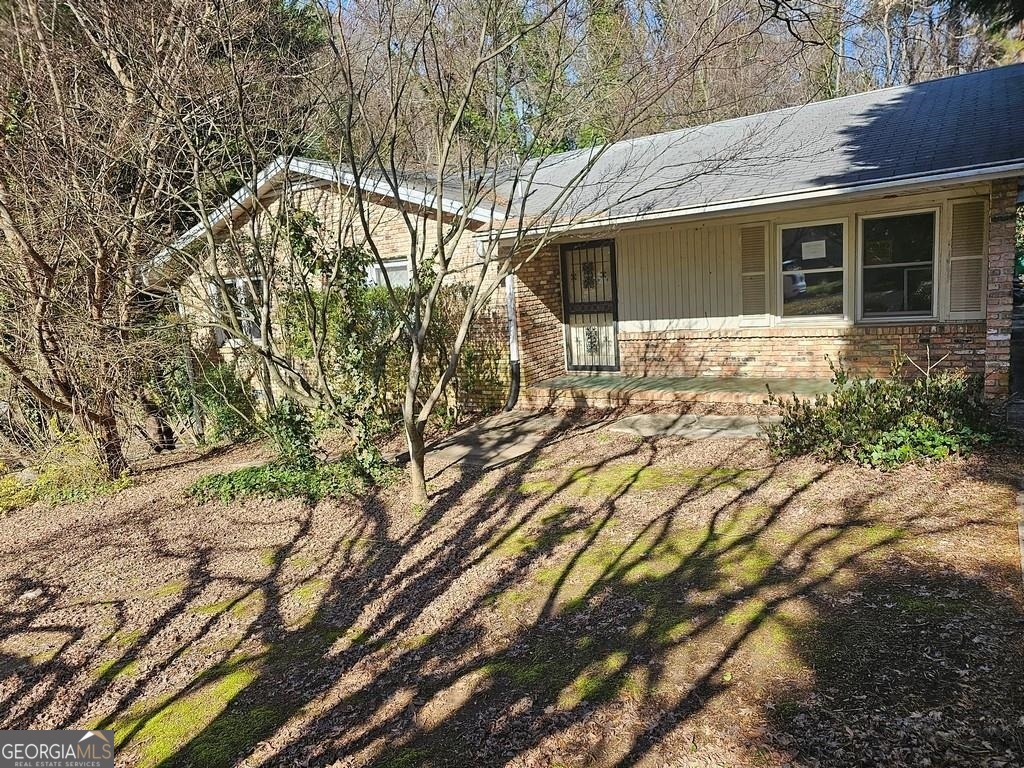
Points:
x=280, y=480
x=291, y=429
x=69, y=472
x=14, y=494
x=227, y=402
x=885, y=422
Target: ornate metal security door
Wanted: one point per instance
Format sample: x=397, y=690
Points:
x=588, y=289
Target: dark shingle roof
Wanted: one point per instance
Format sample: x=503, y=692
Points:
x=968, y=122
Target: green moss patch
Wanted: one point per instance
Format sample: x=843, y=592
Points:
x=310, y=591
x=271, y=556
x=596, y=682
x=415, y=642
x=929, y=605
x=531, y=487
x=115, y=668
x=126, y=638
x=170, y=589
x=623, y=478
x=407, y=757
x=238, y=607
x=199, y=728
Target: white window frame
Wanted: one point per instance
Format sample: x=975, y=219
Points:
x=936, y=211
x=374, y=270
x=842, y=318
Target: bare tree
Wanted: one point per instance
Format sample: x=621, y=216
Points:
x=469, y=104
x=98, y=100
x=895, y=42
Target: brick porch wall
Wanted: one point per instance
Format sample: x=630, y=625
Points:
x=1001, y=231
x=799, y=352
x=760, y=352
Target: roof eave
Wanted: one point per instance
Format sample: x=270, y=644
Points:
x=745, y=205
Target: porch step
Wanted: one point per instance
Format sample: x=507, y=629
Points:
x=615, y=391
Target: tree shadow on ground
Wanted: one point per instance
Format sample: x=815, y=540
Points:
x=593, y=612
x=913, y=665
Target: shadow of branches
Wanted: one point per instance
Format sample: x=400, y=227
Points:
x=599, y=601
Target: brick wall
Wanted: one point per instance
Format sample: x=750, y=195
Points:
x=799, y=352
x=338, y=218
x=982, y=347
x=1002, y=224
x=483, y=377
x=539, y=316
x=793, y=352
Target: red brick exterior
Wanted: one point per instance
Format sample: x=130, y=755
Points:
x=799, y=352
x=1002, y=225
x=539, y=315
x=482, y=380
x=982, y=347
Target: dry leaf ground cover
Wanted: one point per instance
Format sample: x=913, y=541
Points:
x=605, y=601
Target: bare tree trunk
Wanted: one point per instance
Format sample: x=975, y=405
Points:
x=417, y=456
x=107, y=437
x=158, y=432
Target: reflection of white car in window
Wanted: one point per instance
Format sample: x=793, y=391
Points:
x=793, y=282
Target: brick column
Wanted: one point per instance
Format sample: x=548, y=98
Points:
x=999, y=312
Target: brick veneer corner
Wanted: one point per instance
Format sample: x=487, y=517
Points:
x=999, y=313
x=539, y=316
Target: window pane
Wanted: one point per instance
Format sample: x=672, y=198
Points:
x=890, y=290
x=816, y=247
x=898, y=239
x=813, y=293
x=399, y=276
x=893, y=282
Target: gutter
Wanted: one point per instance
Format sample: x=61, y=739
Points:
x=376, y=187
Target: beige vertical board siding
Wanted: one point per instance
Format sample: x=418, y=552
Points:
x=676, y=277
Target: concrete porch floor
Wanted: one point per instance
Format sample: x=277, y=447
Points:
x=612, y=390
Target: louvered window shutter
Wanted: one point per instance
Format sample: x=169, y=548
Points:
x=967, y=276
x=753, y=273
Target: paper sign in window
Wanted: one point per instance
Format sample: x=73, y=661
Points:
x=813, y=250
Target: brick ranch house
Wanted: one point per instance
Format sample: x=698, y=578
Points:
x=698, y=264
x=861, y=226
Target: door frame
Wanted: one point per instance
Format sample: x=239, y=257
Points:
x=563, y=249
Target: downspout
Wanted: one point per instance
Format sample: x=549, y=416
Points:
x=513, y=342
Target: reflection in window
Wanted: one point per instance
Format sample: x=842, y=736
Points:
x=899, y=265
x=812, y=270
x=397, y=271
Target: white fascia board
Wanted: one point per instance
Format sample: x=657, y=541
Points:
x=384, y=189
x=224, y=212
x=908, y=183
